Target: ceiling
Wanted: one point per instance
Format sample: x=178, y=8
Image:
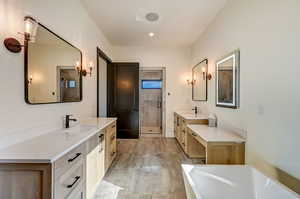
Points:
x=181, y=22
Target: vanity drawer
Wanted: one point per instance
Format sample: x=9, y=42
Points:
x=66, y=162
x=66, y=183
x=113, y=151
x=77, y=193
x=112, y=128
x=198, y=138
x=94, y=141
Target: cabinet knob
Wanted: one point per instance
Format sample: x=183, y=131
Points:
x=112, y=137
x=101, y=137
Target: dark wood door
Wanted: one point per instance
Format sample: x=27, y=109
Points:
x=123, y=98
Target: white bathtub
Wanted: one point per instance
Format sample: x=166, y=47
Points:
x=231, y=182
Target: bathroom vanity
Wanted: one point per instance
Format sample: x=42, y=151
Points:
x=65, y=164
x=213, y=145
x=181, y=120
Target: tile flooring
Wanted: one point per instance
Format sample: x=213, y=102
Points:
x=147, y=168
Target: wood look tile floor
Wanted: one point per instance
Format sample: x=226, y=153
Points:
x=147, y=168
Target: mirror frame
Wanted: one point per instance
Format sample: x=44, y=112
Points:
x=236, y=76
x=193, y=92
x=26, y=69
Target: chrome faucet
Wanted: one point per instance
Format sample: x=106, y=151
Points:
x=196, y=110
x=68, y=119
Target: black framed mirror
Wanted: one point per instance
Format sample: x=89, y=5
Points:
x=199, y=81
x=228, y=80
x=52, y=69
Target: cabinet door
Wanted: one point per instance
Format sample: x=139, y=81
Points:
x=95, y=166
x=25, y=181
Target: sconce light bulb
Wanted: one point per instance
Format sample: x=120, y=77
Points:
x=203, y=70
x=31, y=26
x=27, y=27
x=91, y=64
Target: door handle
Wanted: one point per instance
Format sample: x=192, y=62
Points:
x=158, y=104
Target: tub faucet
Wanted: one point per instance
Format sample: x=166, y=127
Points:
x=195, y=109
x=68, y=119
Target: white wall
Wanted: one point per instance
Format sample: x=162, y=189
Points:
x=69, y=20
x=176, y=61
x=267, y=33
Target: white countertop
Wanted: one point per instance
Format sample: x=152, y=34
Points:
x=191, y=115
x=211, y=134
x=49, y=147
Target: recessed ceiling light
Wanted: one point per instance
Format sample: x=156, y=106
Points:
x=151, y=34
x=152, y=16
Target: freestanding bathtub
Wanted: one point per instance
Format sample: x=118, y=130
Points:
x=231, y=182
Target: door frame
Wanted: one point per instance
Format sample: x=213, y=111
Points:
x=163, y=69
x=108, y=60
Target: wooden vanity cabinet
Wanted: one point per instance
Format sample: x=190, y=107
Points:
x=110, y=145
x=73, y=176
x=180, y=131
x=216, y=152
x=25, y=181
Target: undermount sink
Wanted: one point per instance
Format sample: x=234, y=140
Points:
x=192, y=115
x=79, y=129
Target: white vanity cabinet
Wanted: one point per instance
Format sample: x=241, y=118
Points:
x=95, y=163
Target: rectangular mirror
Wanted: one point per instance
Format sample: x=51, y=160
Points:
x=52, y=69
x=199, y=81
x=227, y=80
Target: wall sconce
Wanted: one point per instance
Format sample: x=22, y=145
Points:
x=30, y=29
x=84, y=72
x=30, y=80
x=206, y=75
x=203, y=72
x=191, y=82
x=209, y=76
x=77, y=66
x=91, y=65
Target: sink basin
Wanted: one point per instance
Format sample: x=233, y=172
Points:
x=231, y=182
x=191, y=115
x=79, y=129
